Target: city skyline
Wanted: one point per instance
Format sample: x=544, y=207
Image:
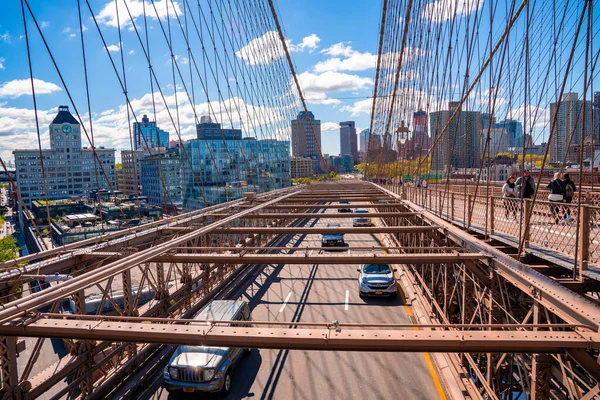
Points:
x=335, y=68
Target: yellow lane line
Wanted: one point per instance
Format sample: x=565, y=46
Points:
x=430, y=367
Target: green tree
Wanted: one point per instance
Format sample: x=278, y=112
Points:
x=8, y=249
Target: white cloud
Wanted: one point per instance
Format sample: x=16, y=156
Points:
x=316, y=86
x=44, y=24
x=131, y=52
x=268, y=48
x=21, y=87
x=181, y=60
x=443, y=10
x=113, y=47
x=359, y=107
x=408, y=75
x=319, y=98
x=538, y=117
x=5, y=37
x=330, y=126
x=68, y=31
x=83, y=28
x=308, y=42
x=262, y=50
x=332, y=82
x=108, y=15
x=339, y=49
x=356, y=62
x=345, y=58
x=2, y=60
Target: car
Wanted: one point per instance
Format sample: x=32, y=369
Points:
x=333, y=241
x=361, y=221
x=382, y=201
x=377, y=280
x=203, y=368
x=344, y=207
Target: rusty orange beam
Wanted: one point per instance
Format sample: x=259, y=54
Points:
x=389, y=340
x=328, y=259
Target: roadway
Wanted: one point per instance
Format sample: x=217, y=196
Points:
x=321, y=293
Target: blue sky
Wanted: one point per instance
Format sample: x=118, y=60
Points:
x=333, y=44
x=351, y=31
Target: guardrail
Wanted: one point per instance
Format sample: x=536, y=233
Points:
x=552, y=225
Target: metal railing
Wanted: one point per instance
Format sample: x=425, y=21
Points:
x=553, y=226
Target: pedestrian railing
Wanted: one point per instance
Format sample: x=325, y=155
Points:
x=552, y=225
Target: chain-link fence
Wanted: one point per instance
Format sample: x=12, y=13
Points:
x=553, y=225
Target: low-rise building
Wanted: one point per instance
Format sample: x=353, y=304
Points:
x=301, y=167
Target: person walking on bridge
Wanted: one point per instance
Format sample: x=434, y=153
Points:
x=570, y=189
x=509, y=192
x=525, y=186
x=557, y=195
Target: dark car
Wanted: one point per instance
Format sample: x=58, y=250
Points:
x=344, y=207
x=333, y=241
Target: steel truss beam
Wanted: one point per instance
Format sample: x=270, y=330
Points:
x=319, y=230
x=304, y=206
x=67, y=256
x=311, y=339
x=398, y=214
x=411, y=258
x=70, y=287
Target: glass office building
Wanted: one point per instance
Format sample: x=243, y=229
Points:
x=147, y=135
x=216, y=171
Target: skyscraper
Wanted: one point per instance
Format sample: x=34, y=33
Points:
x=460, y=145
x=364, y=140
x=514, y=132
x=304, y=143
x=597, y=110
x=567, y=121
x=348, y=143
x=147, y=135
x=420, y=142
x=498, y=141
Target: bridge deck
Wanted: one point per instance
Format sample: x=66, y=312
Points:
x=308, y=293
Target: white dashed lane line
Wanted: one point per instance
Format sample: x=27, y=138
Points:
x=347, y=297
x=287, y=298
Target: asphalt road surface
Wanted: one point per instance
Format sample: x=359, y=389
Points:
x=321, y=293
